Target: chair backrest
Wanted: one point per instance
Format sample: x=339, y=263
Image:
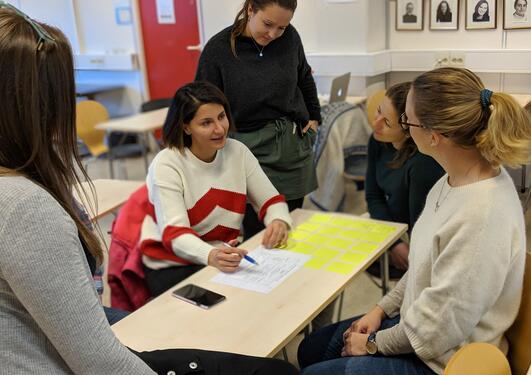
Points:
x=478, y=358
x=89, y=113
x=372, y=104
x=155, y=104
x=519, y=335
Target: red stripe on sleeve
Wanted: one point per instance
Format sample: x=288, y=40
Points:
x=155, y=250
x=276, y=199
x=170, y=233
x=221, y=233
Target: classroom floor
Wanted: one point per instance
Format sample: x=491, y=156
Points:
x=360, y=295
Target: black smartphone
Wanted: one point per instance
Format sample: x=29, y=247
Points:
x=198, y=296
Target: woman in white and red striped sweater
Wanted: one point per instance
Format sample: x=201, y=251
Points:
x=199, y=186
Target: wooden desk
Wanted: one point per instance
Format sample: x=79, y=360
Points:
x=141, y=123
x=323, y=99
x=110, y=195
x=247, y=322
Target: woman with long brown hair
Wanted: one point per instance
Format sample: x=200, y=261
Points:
x=260, y=65
x=398, y=176
x=467, y=257
x=50, y=315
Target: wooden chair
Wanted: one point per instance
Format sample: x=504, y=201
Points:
x=486, y=359
x=90, y=113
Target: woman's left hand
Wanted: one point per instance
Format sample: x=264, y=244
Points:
x=276, y=234
x=355, y=344
x=311, y=124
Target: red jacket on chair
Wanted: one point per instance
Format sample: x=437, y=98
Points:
x=126, y=273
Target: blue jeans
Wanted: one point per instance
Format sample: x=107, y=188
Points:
x=320, y=353
x=114, y=315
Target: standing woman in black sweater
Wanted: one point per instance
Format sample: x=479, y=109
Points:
x=260, y=65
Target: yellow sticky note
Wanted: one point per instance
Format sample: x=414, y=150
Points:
x=341, y=268
x=351, y=234
x=320, y=218
x=316, y=263
x=374, y=237
x=290, y=244
x=308, y=227
x=381, y=228
x=354, y=258
x=364, y=247
x=328, y=231
x=326, y=253
x=339, y=242
x=317, y=239
x=298, y=235
x=303, y=247
x=341, y=221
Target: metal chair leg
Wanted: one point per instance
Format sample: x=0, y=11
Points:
x=340, y=307
x=384, y=272
x=285, y=354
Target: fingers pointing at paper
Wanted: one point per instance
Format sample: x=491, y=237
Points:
x=276, y=234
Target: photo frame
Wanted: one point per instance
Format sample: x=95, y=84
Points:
x=409, y=15
x=481, y=14
x=444, y=14
x=516, y=14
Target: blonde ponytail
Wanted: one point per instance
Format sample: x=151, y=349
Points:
x=507, y=137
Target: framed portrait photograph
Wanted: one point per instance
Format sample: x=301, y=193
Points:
x=480, y=14
x=516, y=15
x=409, y=15
x=444, y=14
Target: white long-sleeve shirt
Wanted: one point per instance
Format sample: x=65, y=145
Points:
x=465, y=277
x=199, y=205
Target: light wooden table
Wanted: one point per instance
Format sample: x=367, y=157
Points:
x=323, y=99
x=141, y=123
x=247, y=322
x=110, y=195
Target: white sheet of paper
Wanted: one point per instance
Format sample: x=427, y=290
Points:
x=274, y=266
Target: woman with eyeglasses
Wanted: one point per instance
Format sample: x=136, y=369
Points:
x=467, y=255
x=398, y=176
x=51, y=319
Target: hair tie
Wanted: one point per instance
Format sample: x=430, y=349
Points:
x=485, y=96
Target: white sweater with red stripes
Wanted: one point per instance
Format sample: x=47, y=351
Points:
x=199, y=205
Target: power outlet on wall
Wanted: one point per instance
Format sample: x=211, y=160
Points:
x=457, y=59
x=441, y=59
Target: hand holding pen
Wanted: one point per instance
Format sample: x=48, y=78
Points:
x=246, y=257
x=226, y=258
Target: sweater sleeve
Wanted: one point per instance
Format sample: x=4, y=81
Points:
x=392, y=301
x=374, y=195
x=467, y=277
x=44, y=250
x=263, y=196
x=422, y=175
x=166, y=192
x=306, y=83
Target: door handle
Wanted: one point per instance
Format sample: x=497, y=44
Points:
x=197, y=47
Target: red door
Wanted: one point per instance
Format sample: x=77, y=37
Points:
x=169, y=63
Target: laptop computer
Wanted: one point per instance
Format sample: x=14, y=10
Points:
x=339, y=89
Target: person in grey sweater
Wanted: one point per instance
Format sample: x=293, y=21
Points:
x=51, y=319
x=467, y=252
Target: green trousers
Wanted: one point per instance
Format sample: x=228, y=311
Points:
x=286, y=156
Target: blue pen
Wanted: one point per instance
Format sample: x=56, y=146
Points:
x=246, y=257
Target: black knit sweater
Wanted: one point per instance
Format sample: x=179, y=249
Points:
x=260, y=89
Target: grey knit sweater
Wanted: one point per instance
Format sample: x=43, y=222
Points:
x=51, y=321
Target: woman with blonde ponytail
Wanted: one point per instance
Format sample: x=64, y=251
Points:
x=467, y=250
x=260, y=65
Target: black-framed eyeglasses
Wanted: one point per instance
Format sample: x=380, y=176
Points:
x=42, y=34
x=405, y=125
